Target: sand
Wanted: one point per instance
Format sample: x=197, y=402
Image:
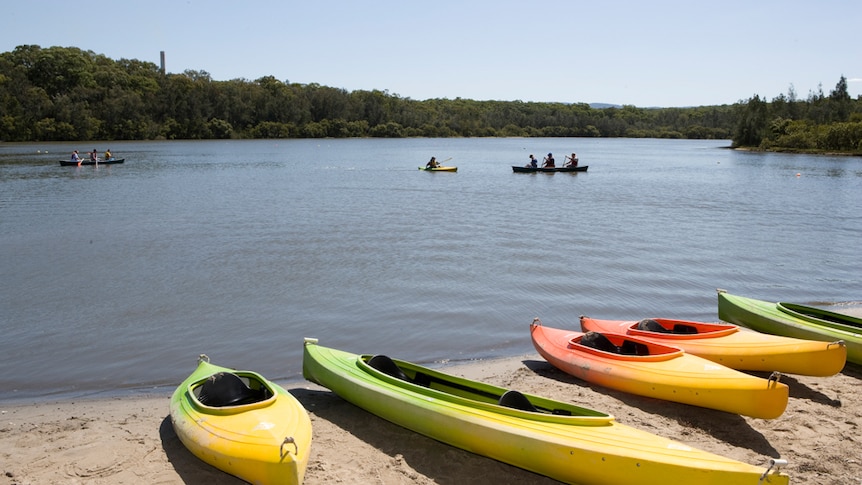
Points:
x=130, y=439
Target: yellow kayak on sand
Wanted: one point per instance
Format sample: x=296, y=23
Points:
x=242, y=424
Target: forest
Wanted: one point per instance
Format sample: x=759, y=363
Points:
x=65, y=93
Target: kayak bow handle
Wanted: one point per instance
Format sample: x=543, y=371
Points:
x=287, y=440
x=775, y=376
x=777, y=463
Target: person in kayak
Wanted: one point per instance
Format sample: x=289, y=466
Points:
x=533, y=162
x=571, y=161
x=549, y=161
x=432, y=163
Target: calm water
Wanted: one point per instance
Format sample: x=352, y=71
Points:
x=119, y=276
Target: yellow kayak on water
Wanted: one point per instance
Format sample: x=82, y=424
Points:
x=439, y=169
x=242, y=424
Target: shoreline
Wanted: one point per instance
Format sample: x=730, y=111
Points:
x=124, y=439
x=797, y=151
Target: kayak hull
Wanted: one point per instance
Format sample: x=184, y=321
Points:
x=586, y=447
x=439, y=169
x=793, y=320
x=267, y=441
x=110, y=161
x=517, y=169
x=678, y=377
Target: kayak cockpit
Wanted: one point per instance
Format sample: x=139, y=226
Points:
x=622, y=347
x=823, y=317
x=229, y=392
x=445, y=387
x=679, y=329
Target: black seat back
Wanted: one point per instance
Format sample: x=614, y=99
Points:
x=387, y=366
x=599, y=341
x=516, y=400
x=651, y=325
x=227, y=389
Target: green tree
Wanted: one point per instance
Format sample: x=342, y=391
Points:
x=751, y=129
x=839, y=100
x=220, y=129
x=68, y=93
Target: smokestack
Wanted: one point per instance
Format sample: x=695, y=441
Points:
x=163, y=62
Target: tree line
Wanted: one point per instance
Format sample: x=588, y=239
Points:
x=65, y=93
x=819, y=123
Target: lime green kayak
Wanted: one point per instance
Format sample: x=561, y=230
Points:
x=553, y=438
x=793, y=320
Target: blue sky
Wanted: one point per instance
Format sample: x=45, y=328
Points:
x=659, y=53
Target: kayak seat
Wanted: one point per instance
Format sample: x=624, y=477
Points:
x=651, y=325
x=422, y=379
x=684, y=329
x=387, y=366
x=516, y=400
x=630, y=347
x=227, y=389
x=599, y=341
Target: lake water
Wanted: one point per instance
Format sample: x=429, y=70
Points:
x=117, y=277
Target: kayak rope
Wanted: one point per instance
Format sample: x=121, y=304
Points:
x=287, y=440
x=203, y=358
x=536, y=322
x=773, y=462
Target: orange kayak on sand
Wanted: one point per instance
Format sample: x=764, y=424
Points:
x=732, y=346
x=638, y=366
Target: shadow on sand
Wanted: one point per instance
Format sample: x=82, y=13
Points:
x=442, y=463
x=188, y=466
x=727, y=427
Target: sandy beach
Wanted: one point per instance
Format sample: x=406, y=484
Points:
x=130, y=439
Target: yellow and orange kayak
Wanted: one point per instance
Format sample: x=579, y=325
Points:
x=242, y=424
x=732, y=346
x=638, y=366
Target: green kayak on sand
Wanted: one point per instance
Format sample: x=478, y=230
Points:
x=793, y=320
x=553, y=438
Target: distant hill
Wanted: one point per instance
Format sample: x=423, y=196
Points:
x=609, y=105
